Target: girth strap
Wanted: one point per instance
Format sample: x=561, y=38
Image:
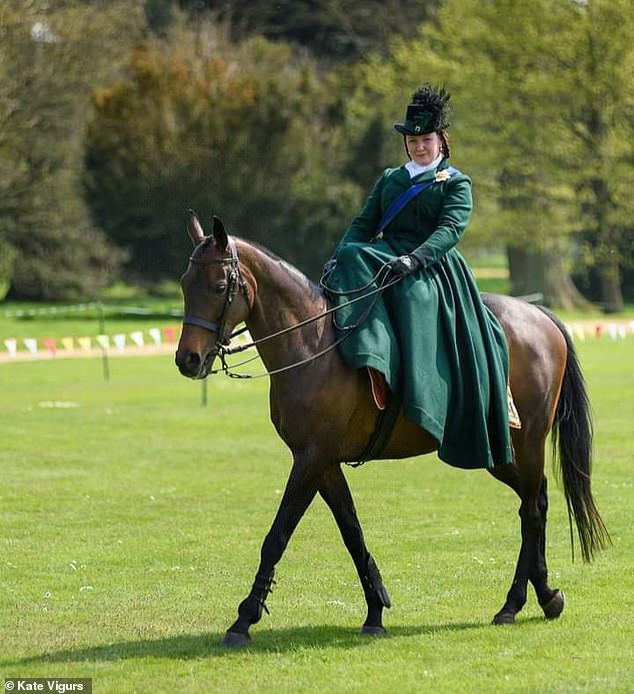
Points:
x=385, y=422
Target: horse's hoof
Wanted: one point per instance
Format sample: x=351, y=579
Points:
x=235, y=639
x=555, y=606
x=372, y=631
x=503, y=618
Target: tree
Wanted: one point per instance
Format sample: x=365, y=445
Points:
x=514, y=70
x=333, y=30
x=49, y=53
x=596, y=53
x=570, y=64
x=511, y=123
x=239, y=130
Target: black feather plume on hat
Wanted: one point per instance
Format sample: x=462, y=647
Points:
x=428, y=111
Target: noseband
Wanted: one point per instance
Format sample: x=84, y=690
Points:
x=235, y=281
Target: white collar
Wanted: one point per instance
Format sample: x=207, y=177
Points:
x=416, y=169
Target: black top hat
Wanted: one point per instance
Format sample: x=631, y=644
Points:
x=427, y=113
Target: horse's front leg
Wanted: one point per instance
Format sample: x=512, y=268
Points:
x=300, y=491
x=336, y=493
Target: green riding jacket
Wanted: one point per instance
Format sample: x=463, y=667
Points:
x=439, y=347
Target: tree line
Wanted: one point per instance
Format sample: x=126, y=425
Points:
x=116, y=117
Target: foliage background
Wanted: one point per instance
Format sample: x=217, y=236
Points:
x=116, y=117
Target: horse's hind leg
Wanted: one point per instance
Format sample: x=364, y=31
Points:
x=516, y=597
x=530, y=485
x=551, y=600
x=336, y=493
x=301, y=489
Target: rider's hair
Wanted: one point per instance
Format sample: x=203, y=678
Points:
x=444, y=143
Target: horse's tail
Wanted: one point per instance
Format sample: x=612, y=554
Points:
x=572, y=448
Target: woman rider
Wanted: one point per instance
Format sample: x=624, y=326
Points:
x=440, y=349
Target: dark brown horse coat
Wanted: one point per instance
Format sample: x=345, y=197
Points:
x=325, y=414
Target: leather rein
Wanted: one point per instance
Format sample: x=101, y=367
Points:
x=236, y=282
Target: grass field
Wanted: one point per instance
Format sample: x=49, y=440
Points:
x=132, y=517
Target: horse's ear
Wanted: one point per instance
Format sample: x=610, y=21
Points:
x=220, y=235
x=194, y=228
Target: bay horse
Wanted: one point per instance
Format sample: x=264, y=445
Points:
x=325, y=414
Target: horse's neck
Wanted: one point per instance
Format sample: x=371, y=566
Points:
x=283, y=298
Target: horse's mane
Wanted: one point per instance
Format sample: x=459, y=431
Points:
x=295, y=273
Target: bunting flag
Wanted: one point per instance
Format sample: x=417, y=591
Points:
x=31, y=344
x=615, y=331
x=50, y=344
x=12, y=346
x=68, y=344
x=103, y=341
x=155, y=334
x=84, y=343
x=137, y=338
x=157, y=339
x=160, y=340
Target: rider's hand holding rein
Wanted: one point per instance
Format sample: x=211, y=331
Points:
x=404, y=265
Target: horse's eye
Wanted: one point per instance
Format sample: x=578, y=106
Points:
x=220, y=287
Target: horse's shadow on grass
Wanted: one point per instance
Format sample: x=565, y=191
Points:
x=208, y=645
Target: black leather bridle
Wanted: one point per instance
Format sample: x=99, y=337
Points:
x=235, y=282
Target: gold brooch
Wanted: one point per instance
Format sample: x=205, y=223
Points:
x=442, y=176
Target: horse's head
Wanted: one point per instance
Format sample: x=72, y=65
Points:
x=216, y=298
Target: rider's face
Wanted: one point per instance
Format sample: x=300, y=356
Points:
x=423, y=149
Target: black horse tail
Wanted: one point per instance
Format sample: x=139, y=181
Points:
x=572, y=450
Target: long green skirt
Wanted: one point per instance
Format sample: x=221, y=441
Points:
x=439, y=347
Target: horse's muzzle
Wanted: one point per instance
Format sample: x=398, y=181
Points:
x=193, y=364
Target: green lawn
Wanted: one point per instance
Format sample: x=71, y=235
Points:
x=132, y=517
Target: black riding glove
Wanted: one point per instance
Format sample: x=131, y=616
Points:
x=404, y=265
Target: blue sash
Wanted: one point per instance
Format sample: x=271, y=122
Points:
x=397, y=205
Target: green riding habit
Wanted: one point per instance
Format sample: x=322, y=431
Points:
x=439, y=347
